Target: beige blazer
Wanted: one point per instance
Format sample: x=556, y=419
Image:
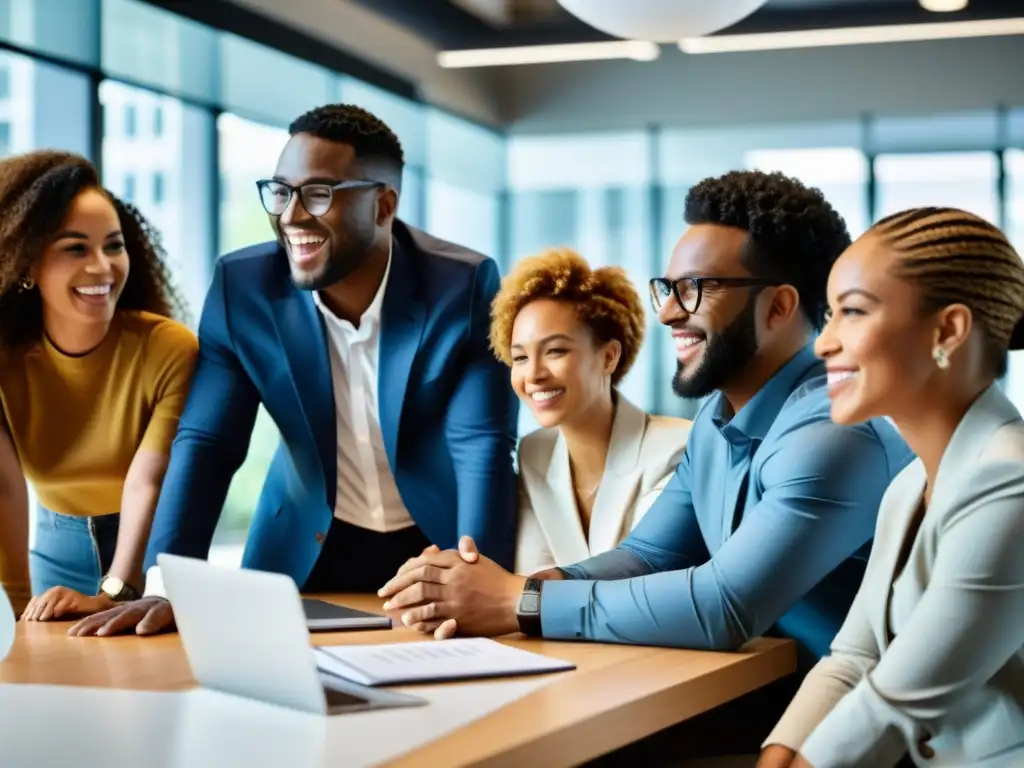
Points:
x=950, y=687
x=642, y=455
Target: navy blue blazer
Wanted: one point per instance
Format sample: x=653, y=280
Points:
x=447, y=410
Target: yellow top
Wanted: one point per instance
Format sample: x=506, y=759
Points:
x=77, y=422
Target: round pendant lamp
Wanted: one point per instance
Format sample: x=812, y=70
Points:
x=660, y=21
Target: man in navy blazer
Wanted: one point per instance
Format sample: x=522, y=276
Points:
x=366, y=340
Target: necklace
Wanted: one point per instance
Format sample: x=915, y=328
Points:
x=584, y=496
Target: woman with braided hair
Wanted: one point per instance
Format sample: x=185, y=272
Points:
x=93, y=376
x=928, y=667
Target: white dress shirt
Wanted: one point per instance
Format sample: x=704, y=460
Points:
x=367, y=494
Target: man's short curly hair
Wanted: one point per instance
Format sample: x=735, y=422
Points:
x=36, y=191
x=605, y=300
x=375, y=144
x=795, y=235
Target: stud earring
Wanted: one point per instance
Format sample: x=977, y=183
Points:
x=941, y=358
x=26, y=284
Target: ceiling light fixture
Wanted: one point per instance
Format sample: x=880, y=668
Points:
x=943, y=6
x=662, y=21
x=819, y=38
x=638, y=50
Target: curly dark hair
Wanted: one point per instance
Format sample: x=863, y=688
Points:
x=36, y=191
x=373, y=141
x=794, y=234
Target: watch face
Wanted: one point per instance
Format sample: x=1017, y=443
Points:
x=529, y=603
x=111, y=586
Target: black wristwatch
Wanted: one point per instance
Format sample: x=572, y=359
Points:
x=117, y=590
x=528, y=609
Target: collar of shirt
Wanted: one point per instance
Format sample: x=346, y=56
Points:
x=754, y=420
x=369, y=320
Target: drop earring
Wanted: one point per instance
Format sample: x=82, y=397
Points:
x=26, y=284
x=941, y=358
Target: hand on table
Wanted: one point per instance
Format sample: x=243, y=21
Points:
x=59, y=602
x=147, y=616
x=441, y=591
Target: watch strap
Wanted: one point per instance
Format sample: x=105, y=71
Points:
x=126, y=593
x=528, y=609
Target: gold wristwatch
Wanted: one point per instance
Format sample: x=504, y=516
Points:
x=117, y=590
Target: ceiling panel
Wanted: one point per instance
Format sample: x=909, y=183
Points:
x=500, y=23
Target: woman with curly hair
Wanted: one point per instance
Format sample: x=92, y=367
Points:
x=93, y=377
x=569, y=335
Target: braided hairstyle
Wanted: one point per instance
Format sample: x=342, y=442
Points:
x=36, y=191
x=605, y=301
x=376, y=146
x=955, y=257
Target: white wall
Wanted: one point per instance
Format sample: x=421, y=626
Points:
x=370, y=36
x=740, y=88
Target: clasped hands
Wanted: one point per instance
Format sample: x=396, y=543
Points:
x=440, y=592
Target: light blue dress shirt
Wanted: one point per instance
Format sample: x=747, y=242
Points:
x=764, y=529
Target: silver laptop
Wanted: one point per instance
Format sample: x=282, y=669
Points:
x=244, y=633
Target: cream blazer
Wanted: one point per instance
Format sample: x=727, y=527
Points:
x=950, y=687
x=642, y=455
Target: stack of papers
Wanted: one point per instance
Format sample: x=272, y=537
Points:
x=432, y=661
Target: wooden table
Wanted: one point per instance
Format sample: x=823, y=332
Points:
x=617, y=695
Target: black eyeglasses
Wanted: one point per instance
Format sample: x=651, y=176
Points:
x=316, y=198
x=690, y=290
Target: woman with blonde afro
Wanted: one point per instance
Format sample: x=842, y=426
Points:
x=569, y=335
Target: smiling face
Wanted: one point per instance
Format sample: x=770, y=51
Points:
x=327, y=248
x=558, y=370
x=84, y=268
x=714, y=344
x=878, y=343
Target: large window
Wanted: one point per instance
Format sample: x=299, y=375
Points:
x=1014, y=159
x=64, y=29
x=408, y=120
x=157, y=48
x=266, y=85
x=1014, y=166
x=965, y=180
x=590, y=193
x=249, y=152
x=841, y=173
x=823, y=155
x=465, y=178
x=42, y=106
x=157, y=155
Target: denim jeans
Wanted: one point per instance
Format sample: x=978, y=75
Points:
x=72, y=551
